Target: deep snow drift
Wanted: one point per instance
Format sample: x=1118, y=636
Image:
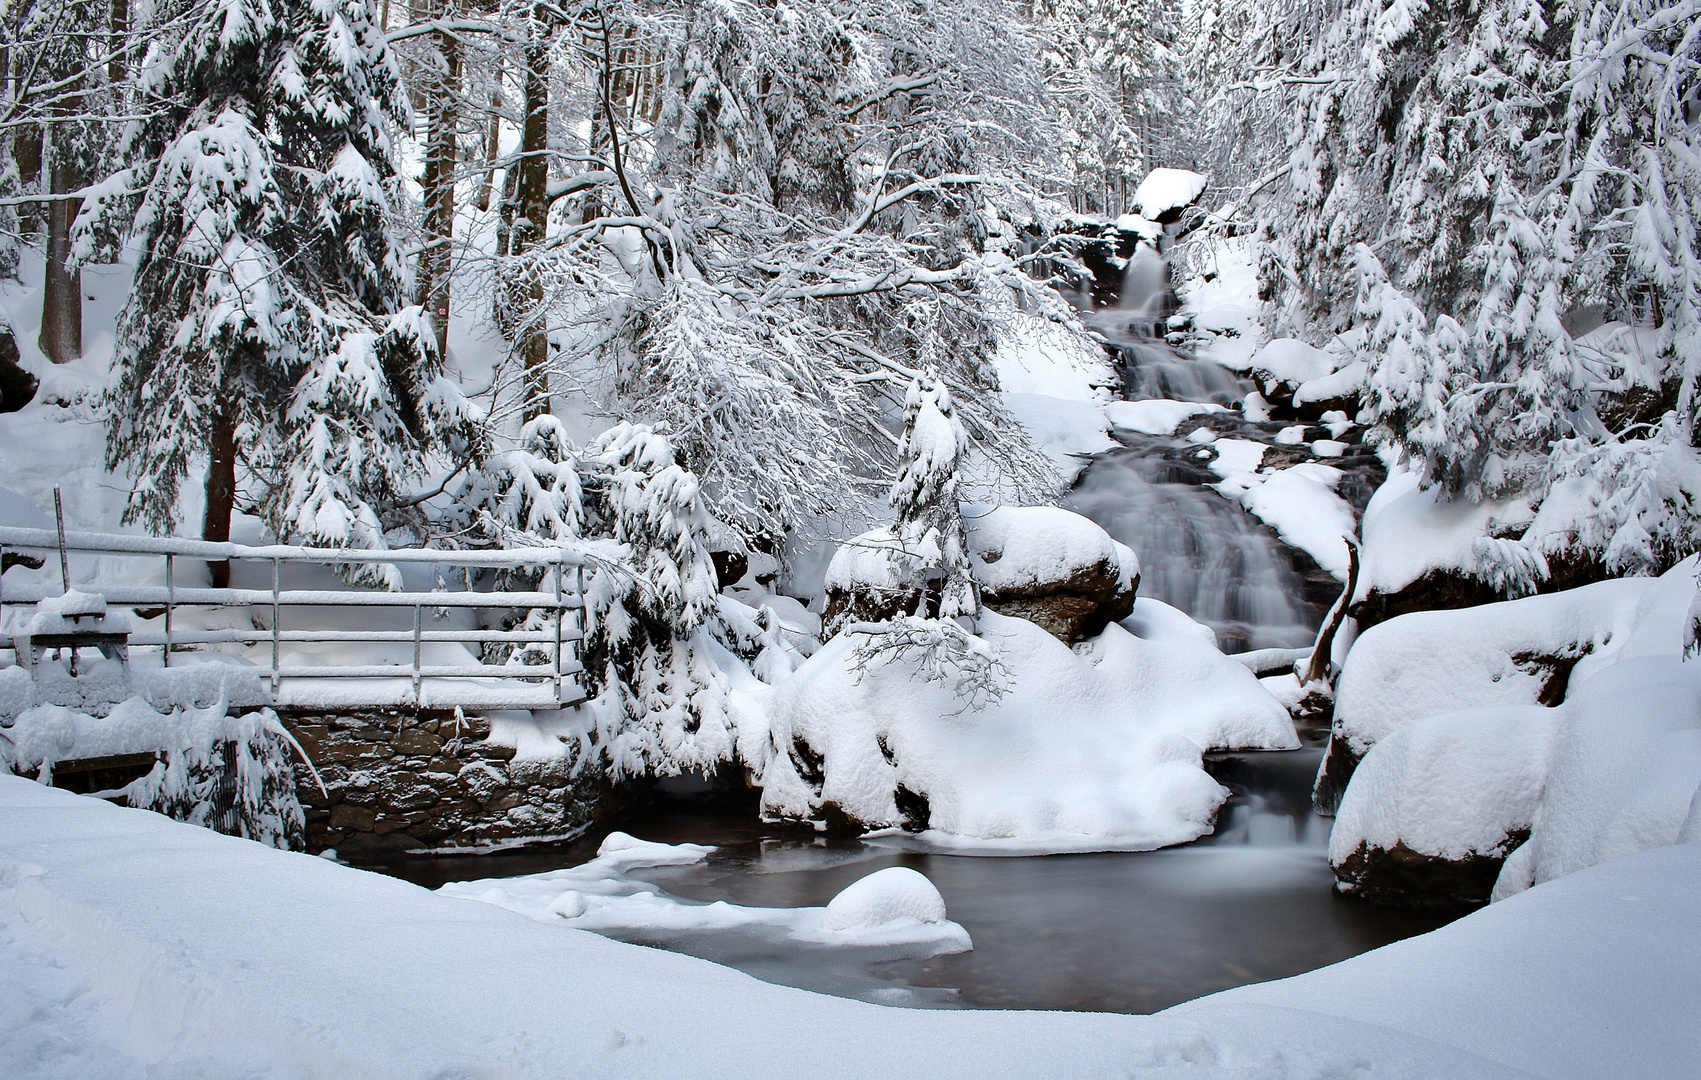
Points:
x=131, y=945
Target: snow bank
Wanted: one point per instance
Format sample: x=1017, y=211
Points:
x=1164, y=190
x=1431, y=662
x=1157, y=416
x=1067, y=430
x=1290, y=361
x=1448, y=786
x=891, y=908
x=1626, y=770
x=1334, y=386
x=128, y=946
x=1091, y=748
x=1299, y=502
x=1221, y=297
x=1409, y=531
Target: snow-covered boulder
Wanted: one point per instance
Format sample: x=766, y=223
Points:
x=1518, y=652
x=1158, y=416
x=1434, y=809
x=1612, y=769
x=1165, y=193
x=1095, y=747
x=1626, y=768
x=1051, y=566
x=1045, y=564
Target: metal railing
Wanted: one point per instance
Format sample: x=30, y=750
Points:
x=540, y=685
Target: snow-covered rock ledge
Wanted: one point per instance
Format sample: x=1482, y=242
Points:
x=128, y=947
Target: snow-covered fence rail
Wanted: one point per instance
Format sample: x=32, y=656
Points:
x=354, y=684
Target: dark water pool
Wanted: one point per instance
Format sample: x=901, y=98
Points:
x=1127, y=932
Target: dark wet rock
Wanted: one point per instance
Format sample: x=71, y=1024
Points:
x=1402, y=877
x=1447, y=590
x=17, y=386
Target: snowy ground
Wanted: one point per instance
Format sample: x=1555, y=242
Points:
x=134, y=946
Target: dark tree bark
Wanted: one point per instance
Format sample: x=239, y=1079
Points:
x=61, y=337
x=531, y=196
x=221, y=490
x=438, y=182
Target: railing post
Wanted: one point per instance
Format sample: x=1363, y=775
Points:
x=276, y=624
x=418, y=617
x=558, y=616
x=170, y=603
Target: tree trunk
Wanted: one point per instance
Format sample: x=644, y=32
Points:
x=439, y=184
x=531, y=193
x=61, y=337
x=115, y=65
x=221, y=490
x=492, y=148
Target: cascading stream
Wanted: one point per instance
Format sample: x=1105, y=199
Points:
x=1198, y=551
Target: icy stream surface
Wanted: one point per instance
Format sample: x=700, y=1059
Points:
x=1123, y=932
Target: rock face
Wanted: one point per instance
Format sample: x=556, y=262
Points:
x=1401, y=877
x=410, y=781
x=1044, y=564
x=17, y=386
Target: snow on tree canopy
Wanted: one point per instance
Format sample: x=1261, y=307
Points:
x=267, y=321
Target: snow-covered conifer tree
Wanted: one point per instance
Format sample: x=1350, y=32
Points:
x=930, y=521
x=266, y=324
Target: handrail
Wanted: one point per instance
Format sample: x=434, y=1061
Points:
x=558, y=595
x=127, y=544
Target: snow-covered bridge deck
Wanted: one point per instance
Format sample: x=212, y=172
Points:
x=319, y=643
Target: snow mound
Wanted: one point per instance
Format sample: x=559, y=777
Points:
x=896, y=894
x=1613, y=769
x=1626, y=770
x=627, y=851
x=1431, y=662
x=1095, y=747
x=1449, y=786
x=60, y=614
x=1410, y=531
x=1292, y=362
x=1335, y=386
x=1158, y=416
x=1164, y=190
x=892, y=909
x=1300, y=503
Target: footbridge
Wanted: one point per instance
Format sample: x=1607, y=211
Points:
x=315, y=641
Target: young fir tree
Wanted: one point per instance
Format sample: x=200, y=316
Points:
x=266, y=322
x=930, y=520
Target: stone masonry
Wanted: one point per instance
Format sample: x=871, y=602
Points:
x=412, y=781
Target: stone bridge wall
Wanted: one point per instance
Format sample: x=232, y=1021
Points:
x=410, y=781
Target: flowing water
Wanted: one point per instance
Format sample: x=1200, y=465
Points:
x=1198, y=551
x=1128, y=932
